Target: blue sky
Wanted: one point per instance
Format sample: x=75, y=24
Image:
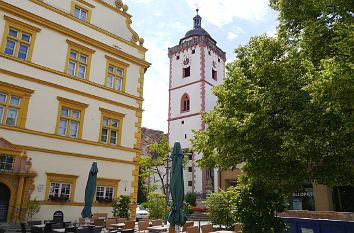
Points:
x=163, y=22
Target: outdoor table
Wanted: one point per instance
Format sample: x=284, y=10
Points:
x=158, y=228
x=59, y=230
x=118, y=225
x=224, y=231
x=39, y=226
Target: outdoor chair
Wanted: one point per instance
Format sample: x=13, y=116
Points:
x=97, y=229
x=99, y=222
x=207, y=228
x=82, y=230
x=110, y=221
x=194, y=229
x=156, y=222
x=24, y=228
x=143, y=226
x=121, y=220
x=187, y=224
x=30, y=223
x=48, y=227
x=172, y=229
x=71, y=229
x=81, y=221
x=129, y=225
x=237, y=228
x=58, y=225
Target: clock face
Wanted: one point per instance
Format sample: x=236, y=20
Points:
x=186, y=61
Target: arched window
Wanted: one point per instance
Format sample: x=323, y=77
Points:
x=185, y=103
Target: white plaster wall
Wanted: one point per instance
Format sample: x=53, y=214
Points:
x=45, y=55
x=115, y=24
x=44, y=118
x=195, y=101
x=220, y=67
x=178, y=130
x=210, y=98
x=177, y=67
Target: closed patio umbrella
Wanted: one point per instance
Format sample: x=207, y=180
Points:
x=177, y=215
x=90, y=191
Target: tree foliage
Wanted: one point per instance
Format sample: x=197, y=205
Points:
x=286, y=109
x=121, y=207
x=155, y=163
x=222, y=207
x=156, y=205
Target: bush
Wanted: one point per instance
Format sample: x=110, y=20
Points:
x=32, y=208
x=191, y=198
x=222, y=207
x=187, y=208
x=156, y=205
x=145, y=204
x=121, y=207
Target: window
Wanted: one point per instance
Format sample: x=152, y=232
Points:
x=6, y=163
x=193, y=51
x=70, y=118
x=115, y=74
x=209, y=52
x=13, y=104
x=185, y=103
x=18, y=39
x=185, y=136
x=218, y=59
x=104, y=194
x=60, y=187
x=214, y=74
x=182, y=122
x=81, y=12
x=190, y=169
x=78, y=60
x=190, y=183
x=186, y=72
x=190, y=156
x=106, y=190
x=111, y=127
x=177, y=57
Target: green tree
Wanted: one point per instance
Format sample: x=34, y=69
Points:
x=286, y=109
x=222, y=207
x=156, y=205
x=155, y=163
x=121, y=207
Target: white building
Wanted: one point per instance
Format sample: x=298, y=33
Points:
x=197, y=64
x=71, y=92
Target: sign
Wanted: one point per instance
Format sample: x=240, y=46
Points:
x=40, y=188
x=303, y=194
x=58, y=216
x=306, y=230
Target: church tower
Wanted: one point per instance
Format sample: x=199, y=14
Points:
x=197, y=64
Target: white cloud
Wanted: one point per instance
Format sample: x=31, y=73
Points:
x=235, y=33
x=222, y=12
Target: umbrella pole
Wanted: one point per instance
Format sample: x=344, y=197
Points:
x=177, y=228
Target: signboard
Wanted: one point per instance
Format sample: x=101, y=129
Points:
x=306, y=230
x=58, y=216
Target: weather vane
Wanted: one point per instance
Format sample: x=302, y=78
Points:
x=197, y=8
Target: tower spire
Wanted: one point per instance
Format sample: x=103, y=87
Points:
x=197, y=19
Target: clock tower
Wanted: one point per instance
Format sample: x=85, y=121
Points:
x=197, y=64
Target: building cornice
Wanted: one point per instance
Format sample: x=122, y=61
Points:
x=188, y=84
x=71, y=33
x=68, y=89
x=81, y=141
x=185, y=116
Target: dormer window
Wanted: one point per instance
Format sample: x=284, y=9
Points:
x=186, y=72
x=185, y=103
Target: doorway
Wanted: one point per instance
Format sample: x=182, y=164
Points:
x=4, y=201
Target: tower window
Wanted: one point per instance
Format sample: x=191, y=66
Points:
x=209, y=52
x=190, y=169
x=182, y=122
x=193, y=51
x=185, y=103
x=214, y=74
x=218, y=59
x=190, y=156
x=185, y=136
x=177, y=57
x=190, y=183
x=186, y=72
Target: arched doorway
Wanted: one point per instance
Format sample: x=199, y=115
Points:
x=4, y=201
